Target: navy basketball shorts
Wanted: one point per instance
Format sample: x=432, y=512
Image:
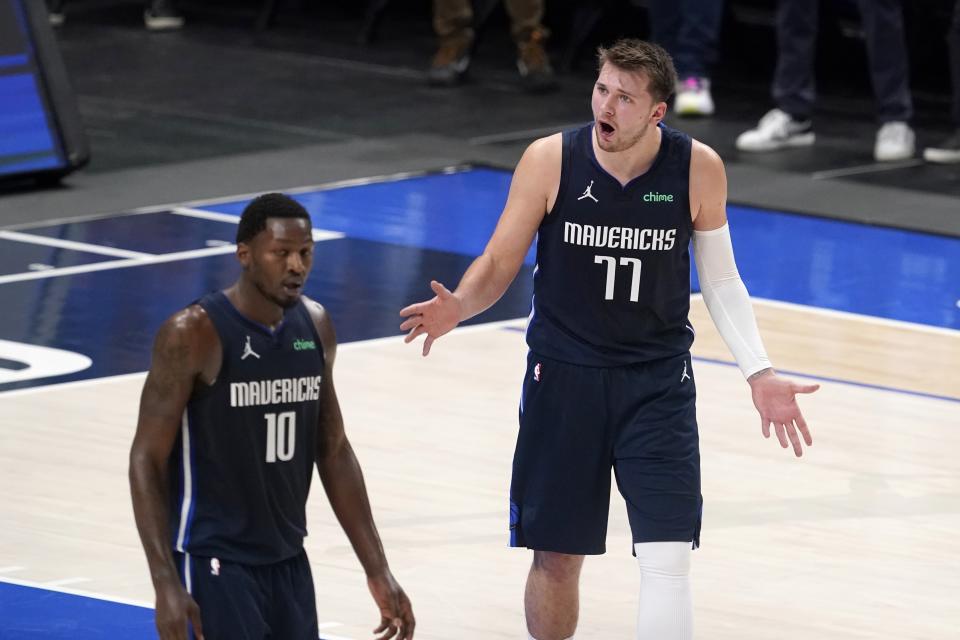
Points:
x=252, y=602
x=576, y=424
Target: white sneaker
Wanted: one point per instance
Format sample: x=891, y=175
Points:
x=776, y=130
x=693, y=97
x=946, y=152
x=162, y=15
x=55, y=13
x=895, y=141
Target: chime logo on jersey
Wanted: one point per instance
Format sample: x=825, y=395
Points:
x=279, y=391
x=303, y=345
x=536, y=372
x=214, y=567
x=653, y=196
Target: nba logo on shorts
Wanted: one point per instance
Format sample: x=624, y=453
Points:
x=536, y=372
x=214, y=567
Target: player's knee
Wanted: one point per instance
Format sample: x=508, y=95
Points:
x=558, y=567
x=663, y=559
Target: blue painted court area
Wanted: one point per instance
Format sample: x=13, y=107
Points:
x=101, y=287
x=876, y=271
x=33, y=613
x=29, y=612
x=453, y=212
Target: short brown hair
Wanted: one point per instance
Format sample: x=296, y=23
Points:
x=631, y=54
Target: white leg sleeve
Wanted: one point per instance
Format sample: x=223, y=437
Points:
x=727, y=299
x=666, y=607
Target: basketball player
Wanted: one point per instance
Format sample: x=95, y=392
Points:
x=237, y=408
x=609, y=379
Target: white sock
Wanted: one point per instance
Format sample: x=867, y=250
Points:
x=666, y=606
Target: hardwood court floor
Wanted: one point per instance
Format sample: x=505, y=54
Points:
x=854, y=540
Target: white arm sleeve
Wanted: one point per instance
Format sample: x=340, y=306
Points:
x=727, y=300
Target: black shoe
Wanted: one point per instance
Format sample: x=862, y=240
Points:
x=947, y=152
x=162, y=15
x=451, y=62
x=534, y=65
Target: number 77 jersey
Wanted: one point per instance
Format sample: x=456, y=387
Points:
x=241, y=469
x=612, y=280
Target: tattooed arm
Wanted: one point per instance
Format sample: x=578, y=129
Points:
x=186, y=352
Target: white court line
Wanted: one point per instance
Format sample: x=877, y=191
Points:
x=849, y=315
x=64, y=582
x=319, y=235
x=89, y=382
x=76, y=592
x=56, y=586
x=71, y=244
x=12, y=569
x=118, y=264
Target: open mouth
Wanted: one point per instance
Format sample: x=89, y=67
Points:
x=606, y=129
x=293, y=287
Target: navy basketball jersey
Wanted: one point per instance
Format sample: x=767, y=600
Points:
x=242, y=465
x=612, y=281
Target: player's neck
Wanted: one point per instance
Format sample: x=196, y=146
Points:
x=252, y=304
x=633, y=162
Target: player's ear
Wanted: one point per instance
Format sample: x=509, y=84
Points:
x=243, y=254
x=659, y=112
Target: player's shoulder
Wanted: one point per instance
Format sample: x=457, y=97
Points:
x=549, y=143
x=704, y=156
x=322, y=322
x=540, y=165
x=548, y=149
x=189, y=335
x=189, y=323
x=315, y=310
x=707, y=172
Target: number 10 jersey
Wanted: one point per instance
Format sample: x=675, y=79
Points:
x=240, y=471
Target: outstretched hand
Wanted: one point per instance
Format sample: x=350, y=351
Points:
x=396, y=613
x=775, y=400
x=434, y=317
